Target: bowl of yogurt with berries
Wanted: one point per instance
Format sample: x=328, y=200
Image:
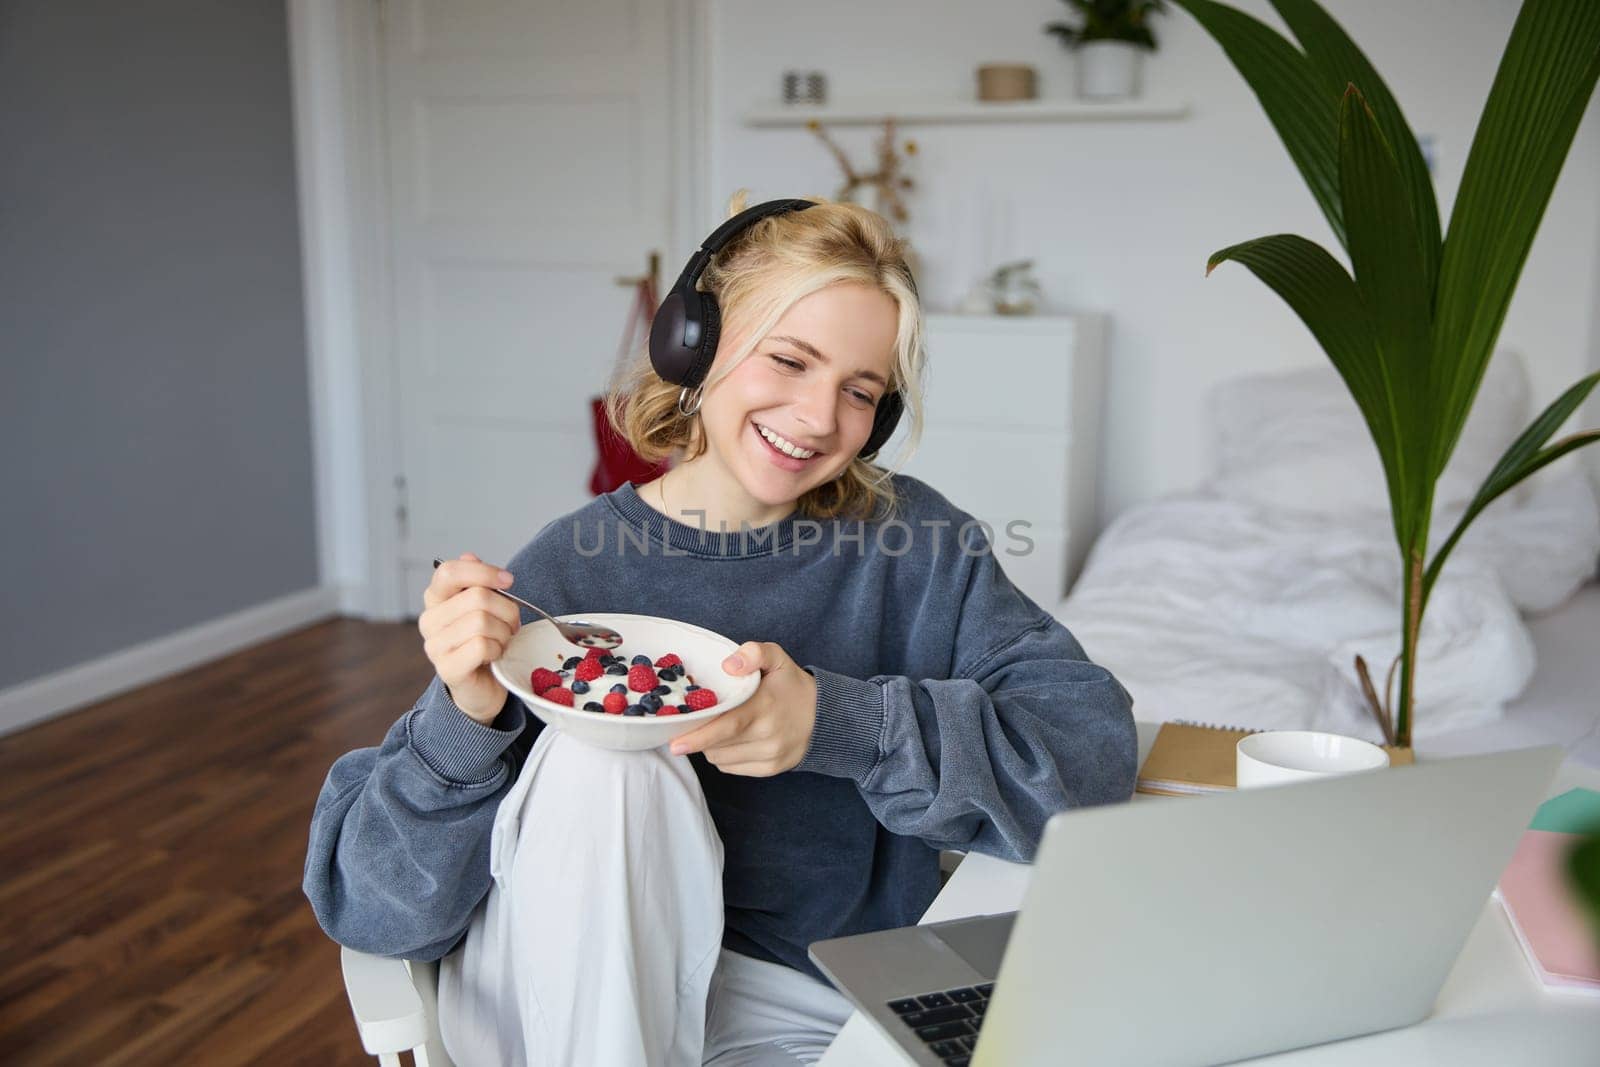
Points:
x=664, y=680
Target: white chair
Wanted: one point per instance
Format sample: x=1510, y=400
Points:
x=396, y=1005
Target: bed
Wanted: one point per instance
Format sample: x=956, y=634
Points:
x=1245, y=601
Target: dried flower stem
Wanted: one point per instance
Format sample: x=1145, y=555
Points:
x=887, y=178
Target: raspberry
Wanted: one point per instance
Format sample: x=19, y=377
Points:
x=666, y=709
x=594, y=653
x=641, y=679
x=669, y=660
x=700, y=699
x=588, y=670
x=558, y=694
x=544, y=678
x=614, y=703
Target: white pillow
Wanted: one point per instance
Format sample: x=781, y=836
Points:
x=1295, y=441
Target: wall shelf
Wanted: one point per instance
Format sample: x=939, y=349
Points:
x=909, y=112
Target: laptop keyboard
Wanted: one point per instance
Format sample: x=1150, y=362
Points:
x=947, y=1022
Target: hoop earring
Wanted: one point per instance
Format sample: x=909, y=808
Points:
x=699, y=394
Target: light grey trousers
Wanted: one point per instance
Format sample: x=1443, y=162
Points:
x=600, y=939
x=761, y=1014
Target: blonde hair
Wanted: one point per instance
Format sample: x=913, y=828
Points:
x=757, y=278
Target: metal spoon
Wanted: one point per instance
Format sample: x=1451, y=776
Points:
x=583, y=634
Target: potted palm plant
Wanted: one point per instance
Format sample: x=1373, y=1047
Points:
x=1410, y=328
x=1110, y=42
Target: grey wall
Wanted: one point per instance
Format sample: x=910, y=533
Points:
x=155, y=458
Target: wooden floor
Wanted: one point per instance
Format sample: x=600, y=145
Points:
x=151, y=851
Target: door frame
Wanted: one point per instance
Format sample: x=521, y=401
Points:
x=336, y=73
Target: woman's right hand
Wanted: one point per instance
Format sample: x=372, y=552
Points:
x=466, y=626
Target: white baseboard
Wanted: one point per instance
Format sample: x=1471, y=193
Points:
x=54, y=694
x=352, y=600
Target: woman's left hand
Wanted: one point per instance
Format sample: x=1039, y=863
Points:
x=769, y=733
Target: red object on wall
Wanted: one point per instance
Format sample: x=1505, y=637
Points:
x=615, y=461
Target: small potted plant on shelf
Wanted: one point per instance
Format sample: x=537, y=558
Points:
x=1110, y=44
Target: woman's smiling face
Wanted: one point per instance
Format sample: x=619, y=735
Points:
x=795, y=411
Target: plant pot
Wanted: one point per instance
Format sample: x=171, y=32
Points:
x=1006, y=81
x=1109, y=70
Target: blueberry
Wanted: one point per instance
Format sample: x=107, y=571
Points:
x=580, y=686
x=661, y=690
x=592, y=706
x=638, y=660
x=690, y=689
x=685, y=709
x=633, y=710
x=571, y=663
x=650, y=702
x=667, y=674
x=616, y=670
x=620, y=688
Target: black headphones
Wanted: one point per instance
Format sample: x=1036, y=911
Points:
x=683, y=337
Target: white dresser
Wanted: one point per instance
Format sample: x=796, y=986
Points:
x=1012, y=436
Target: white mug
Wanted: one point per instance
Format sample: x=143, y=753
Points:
x=1274, y=757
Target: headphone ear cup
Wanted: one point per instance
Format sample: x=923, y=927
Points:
x=687, y=325
x=710, y=333
x=674, y=356
x=884, y=423
x=668, y=354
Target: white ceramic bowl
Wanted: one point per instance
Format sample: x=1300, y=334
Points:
x=1274, y=757
x=702, y=651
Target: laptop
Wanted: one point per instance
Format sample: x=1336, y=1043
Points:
x=1177, y=933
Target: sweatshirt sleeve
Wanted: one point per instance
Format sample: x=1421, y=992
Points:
x=1027, y=726
x=399, y=852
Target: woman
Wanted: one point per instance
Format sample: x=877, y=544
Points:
x=911, y=700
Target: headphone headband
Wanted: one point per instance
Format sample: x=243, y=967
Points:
x=730, y=229
x=688, y=324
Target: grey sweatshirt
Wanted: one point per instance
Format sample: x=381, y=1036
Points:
x=952, y=713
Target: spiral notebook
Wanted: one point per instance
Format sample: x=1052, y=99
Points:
x=1190, y=758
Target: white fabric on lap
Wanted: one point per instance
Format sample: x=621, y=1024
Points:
x=601, y=930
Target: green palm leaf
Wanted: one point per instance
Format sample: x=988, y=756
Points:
x=1319, y=290
x=1526, y=455
x=1583, y=875
x=1539, y=95
x=1337, y=62
x=1386, y=252
x=1296, y=101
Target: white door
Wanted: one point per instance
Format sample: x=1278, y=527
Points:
x=529, y=164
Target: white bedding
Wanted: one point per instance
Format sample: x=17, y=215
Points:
x=1245, y=603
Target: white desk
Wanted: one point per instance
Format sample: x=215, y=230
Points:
x=1491, y=1012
